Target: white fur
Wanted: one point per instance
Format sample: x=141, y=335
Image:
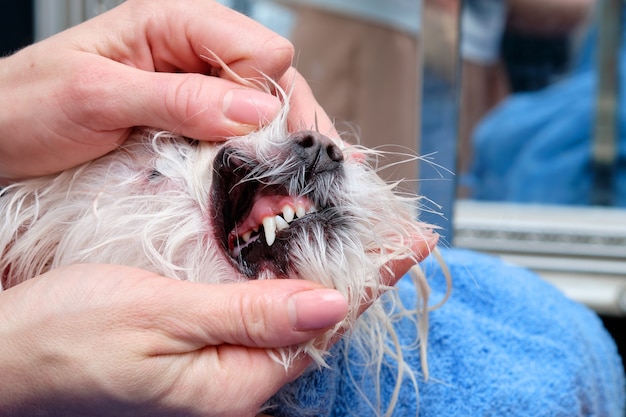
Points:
x=115, y=210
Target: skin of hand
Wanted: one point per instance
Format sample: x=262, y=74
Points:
x=107, y=340
x=76, y=95
x=116, y=341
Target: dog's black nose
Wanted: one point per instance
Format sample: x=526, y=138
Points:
x=317, y=151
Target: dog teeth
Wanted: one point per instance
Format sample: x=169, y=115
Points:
x=300, y=211
x=281, y=224
x=269, y=224
x=288, y=213
x=273, y=224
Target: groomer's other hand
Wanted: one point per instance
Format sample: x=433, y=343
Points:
x=76, y=95
x=421, y=245
x=116, y=341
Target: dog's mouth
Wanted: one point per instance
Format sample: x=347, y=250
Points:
x=269, y=216
x=256, y=223
x=258, y=220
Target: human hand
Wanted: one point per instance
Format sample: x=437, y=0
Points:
x=77, y=95
x=104, y=340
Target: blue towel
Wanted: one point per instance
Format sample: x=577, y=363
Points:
x=505, y=344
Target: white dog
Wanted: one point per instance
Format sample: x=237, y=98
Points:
x=265, y=206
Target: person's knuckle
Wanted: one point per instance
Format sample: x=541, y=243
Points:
x=254, y=318
x=187, y=97
x=280, y=52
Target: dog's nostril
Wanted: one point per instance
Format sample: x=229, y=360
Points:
x=307, y=140
x=317, y=150
x=334, y=153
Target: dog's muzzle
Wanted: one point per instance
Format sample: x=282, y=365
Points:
x=261, y=203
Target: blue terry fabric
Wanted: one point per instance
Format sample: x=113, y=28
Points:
x=505, y=344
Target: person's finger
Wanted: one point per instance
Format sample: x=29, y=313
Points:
x=172, y=316
x=257, y=314
x=202, y=107
x=228, y=329
x=193, y=105
x=421, y=246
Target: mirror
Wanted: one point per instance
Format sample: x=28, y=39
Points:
x=539, y=168
x=528, y=107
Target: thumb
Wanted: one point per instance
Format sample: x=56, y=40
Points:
x=261, y=314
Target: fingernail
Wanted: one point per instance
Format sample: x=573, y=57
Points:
x=316, y=309
x=250, y=107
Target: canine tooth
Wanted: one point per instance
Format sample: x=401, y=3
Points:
x=281, y=224
x=269, y=224
x=288, y=213
x=300, y=211
x=311, y=209
x=246, y=236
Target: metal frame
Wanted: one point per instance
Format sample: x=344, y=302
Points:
x=581, y=250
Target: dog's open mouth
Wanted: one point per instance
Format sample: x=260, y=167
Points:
x=258, y=217
x=257, y=221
